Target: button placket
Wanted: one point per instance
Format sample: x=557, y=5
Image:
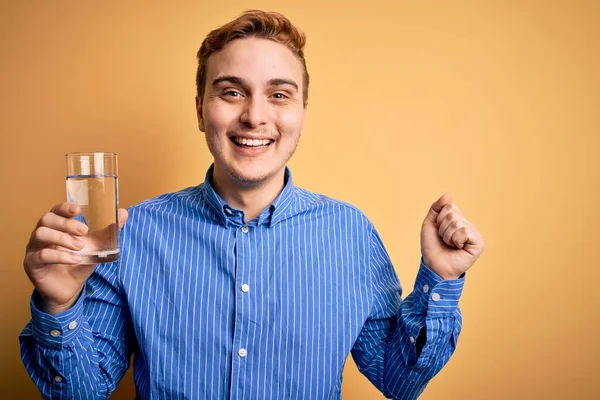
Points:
x=244, y=259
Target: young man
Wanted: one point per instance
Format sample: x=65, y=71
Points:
x=245, y=286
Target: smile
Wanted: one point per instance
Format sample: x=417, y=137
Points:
x=243, y=142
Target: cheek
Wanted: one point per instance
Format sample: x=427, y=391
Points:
x=291, y=123
x=218, y=119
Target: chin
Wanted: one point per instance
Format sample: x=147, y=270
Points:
x=249, y=179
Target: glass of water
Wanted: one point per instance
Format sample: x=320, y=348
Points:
x=92, y=184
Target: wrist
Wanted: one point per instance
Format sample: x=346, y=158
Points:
x=53, y=308
x=450, y=277
x=441, y=272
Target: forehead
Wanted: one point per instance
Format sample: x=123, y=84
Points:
x=256, y=60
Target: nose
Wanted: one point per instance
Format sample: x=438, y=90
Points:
x=255, y=113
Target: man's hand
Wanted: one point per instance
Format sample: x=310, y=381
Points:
x=50, y=263
x=450, y=244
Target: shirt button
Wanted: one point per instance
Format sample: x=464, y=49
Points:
x=245, y=229
x=412, y=339
x=242, y=352
x=227, y=211
x=72, y=325
x=54, y=333
x=435, y=297
x=245, y=288
x=426, y=288
x=58, y=378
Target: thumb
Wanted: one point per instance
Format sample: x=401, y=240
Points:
x=123, y=215
x=436, y=207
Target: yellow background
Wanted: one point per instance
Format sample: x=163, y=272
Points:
x=494, y=102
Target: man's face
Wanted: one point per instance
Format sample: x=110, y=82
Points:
x=252, y=111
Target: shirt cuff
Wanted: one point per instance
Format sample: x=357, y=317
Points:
x=55, y=330
x=439, y=297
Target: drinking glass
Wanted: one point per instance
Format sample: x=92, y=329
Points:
x=92, y=183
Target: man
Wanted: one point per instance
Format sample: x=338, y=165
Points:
x=245, y=286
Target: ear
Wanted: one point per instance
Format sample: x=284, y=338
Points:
x=303, y=119
x=199, y=114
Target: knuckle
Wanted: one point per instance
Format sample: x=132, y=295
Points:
x=38, y=234
x=47, y=218
x=44, y=255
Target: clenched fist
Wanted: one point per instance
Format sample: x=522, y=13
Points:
x=450, y=244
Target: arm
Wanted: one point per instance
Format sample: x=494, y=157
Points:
x=82, y=352
x=403, y=344
x=79, y=339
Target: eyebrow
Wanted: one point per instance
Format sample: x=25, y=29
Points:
x=231, y=79
x=278, y=82
x=239, y=81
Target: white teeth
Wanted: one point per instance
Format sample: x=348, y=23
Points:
x=252, y=142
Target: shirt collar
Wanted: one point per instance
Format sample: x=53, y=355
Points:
x=226, y=214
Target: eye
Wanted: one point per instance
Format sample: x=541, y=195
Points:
x=280, y=95
x=232, y=93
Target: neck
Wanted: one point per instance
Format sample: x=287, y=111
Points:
x=252, y=200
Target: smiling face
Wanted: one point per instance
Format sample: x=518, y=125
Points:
x=252, y=111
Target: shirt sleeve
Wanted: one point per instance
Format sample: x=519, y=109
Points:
x=82, y=352
x=405, y=343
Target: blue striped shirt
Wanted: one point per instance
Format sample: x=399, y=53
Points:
x=215, y=307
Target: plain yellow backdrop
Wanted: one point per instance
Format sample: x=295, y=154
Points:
x=494, y=102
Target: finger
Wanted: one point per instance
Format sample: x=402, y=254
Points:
x=123, y=216
x=64, y=224
x=447, y=209
x=460, y=237
x=51, y=256
x=66, y=210
x=453, y=221
x=450, y=233
x=436, y=207
x=44, y=236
